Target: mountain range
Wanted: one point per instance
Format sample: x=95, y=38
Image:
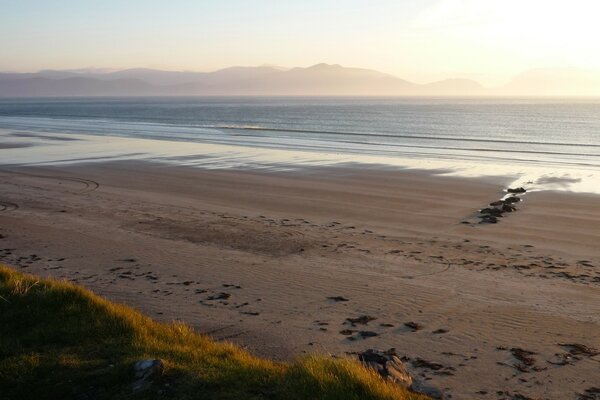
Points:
x=316, y=80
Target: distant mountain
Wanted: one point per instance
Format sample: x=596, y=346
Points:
x=75, y=86
x=554, y=82
x=320, y=79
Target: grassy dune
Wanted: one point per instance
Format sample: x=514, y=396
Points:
x=61, y=341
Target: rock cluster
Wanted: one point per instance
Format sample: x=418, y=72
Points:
x=389, y=366
x=496, y=209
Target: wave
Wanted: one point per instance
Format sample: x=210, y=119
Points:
x=341, y=133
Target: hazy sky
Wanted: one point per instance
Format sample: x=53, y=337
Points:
x=420, y=40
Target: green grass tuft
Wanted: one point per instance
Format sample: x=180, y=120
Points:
x=61, y=341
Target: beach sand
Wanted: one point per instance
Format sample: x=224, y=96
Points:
x=257, y=258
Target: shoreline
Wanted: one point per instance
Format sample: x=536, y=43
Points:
x=259, y=258
x=54, y=143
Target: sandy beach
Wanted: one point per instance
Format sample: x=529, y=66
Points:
x=280, y=261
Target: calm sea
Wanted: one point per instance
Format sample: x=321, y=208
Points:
x=532, y=131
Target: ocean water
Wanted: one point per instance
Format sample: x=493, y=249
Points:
x=554, y=134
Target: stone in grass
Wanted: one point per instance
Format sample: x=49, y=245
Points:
x=145, y=372
x=388, y=365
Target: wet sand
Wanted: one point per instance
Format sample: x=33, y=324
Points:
x=279, y=261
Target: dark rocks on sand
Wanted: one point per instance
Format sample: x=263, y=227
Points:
x=496, y=203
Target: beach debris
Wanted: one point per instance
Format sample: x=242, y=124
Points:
x=347, y=332
x=526, y=362
x=219, y=296
x=520, y=396
x=577, y=349
x=231, y=285
x=440, y=331
x=338, y=298
x=366, y=334
x=413, y=325
x=421, y=363
x=146, y=371
x=363, y=320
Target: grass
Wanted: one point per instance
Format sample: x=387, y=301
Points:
x=61, y=341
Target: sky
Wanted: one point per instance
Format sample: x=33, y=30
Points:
x=419, y=40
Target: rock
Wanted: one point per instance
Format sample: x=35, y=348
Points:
x=496, y=203
x=512, y=199
x=489, y=219
x=508, y=208
x=388, y=365
x=516, y=190
x=145, y=372
x=496, y=212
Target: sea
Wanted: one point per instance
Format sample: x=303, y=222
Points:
x=550, y=138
